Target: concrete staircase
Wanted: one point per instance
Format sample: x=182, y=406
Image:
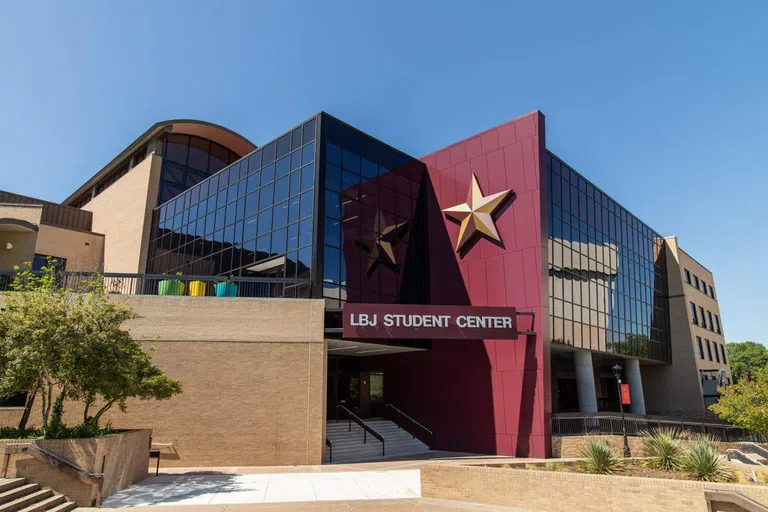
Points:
x=349, y=447
x=16, y=495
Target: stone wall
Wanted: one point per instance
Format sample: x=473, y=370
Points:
x=556, y=491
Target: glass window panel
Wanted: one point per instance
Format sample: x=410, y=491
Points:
x=332, y=177
x=333, y=153
x=293, y=236
x=293, y=209
x=240, y=213
x=280, y=215
x=251, y=204
x=309, y=131
x=268, y=154
x=263, y=245
x=250, y=228
x=295, y=160
x=351, y=161
x=254, y=162
x=281, y=189
x=268, y=174
x=370, y=169
x=266, y=196
x=283, y=166
x=333, y=204
x=296, y=138
x=265, y=221
x=229, y=234
x=308, y=153
x=295, y=183
x=306, y=205
x=279, y=241
x=239, y=232
x=305, y=232
x=332, y=232
x=307, y=177
x=349, y=180
x=231, y=208
x=303, y=268
x=232, y=193
x=331, y=264
x=283, y=145
x=219, y=219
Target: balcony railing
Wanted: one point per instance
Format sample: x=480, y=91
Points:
x=611, y=424
x=161, y=284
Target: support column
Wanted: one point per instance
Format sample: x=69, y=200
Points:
x=585, y=381
x=635, y=381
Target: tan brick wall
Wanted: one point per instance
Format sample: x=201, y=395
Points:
x=83, y=251
x=123, y=213
x=27, y=212
x=22, y=251
x=556, y=491
x=124, y=456
x=253, y=373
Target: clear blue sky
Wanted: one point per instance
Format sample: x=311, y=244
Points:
x=664, y=105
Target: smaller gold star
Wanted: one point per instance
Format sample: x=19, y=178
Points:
x=381, y=243
x=476, y=215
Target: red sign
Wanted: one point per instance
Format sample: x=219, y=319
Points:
x=625, y=400
x=411, y=321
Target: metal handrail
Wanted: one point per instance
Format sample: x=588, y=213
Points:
x=412, y=420
x=611, y=424
x=96, y=480
x=366, y=429
x=180, y=277
x=329, y=444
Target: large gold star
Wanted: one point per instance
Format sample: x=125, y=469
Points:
x=381, y=243
x=476, y=215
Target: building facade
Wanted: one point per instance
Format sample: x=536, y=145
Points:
x=339, y=217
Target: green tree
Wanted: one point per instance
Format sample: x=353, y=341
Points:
x=745, y=404
x=64, y=341
x=747, y=358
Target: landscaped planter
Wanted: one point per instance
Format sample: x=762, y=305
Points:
x=552, y=490
x=197, y=289
x=170, y=287
x=226, y=290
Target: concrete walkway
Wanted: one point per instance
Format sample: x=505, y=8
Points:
x=404, y=505
x=230, y=489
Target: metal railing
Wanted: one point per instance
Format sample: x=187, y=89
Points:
x=329, y=444
x=609, y=424
x=412, y=422
x=162, y=284
x=366, y=429
x=95, y=480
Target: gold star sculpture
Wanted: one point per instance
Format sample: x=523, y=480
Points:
x=476, y=215
x=381, y=243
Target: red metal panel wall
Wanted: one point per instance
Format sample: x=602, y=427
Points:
x=485, y=396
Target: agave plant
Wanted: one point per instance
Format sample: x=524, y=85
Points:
x=600, y=458
x=703, y=462
x=664, y=449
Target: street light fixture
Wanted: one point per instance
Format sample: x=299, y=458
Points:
x=617, y=373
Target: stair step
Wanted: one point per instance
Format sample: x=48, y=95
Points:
x=46, y=504
x=26, y=501
x=64, y=507
x=6, y=484
x=17, y=492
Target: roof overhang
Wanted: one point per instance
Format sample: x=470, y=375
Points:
x=217, y=133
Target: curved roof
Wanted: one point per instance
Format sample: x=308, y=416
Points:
x=217, y=133
x=10, y=224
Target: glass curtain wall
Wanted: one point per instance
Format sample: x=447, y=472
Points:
x=607, y=272
x=252, y=218
x=188, y=160
x=374, y=220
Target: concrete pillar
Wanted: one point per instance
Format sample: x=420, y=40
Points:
x=635, y=381
x=585, y=381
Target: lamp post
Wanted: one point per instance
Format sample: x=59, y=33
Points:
x=617, y=373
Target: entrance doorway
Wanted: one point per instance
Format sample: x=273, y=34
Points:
x=360, y=392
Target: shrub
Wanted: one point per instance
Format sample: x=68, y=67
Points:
x=664, y=449
x=600, y=458
x=555, y=466
x=703, y=462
